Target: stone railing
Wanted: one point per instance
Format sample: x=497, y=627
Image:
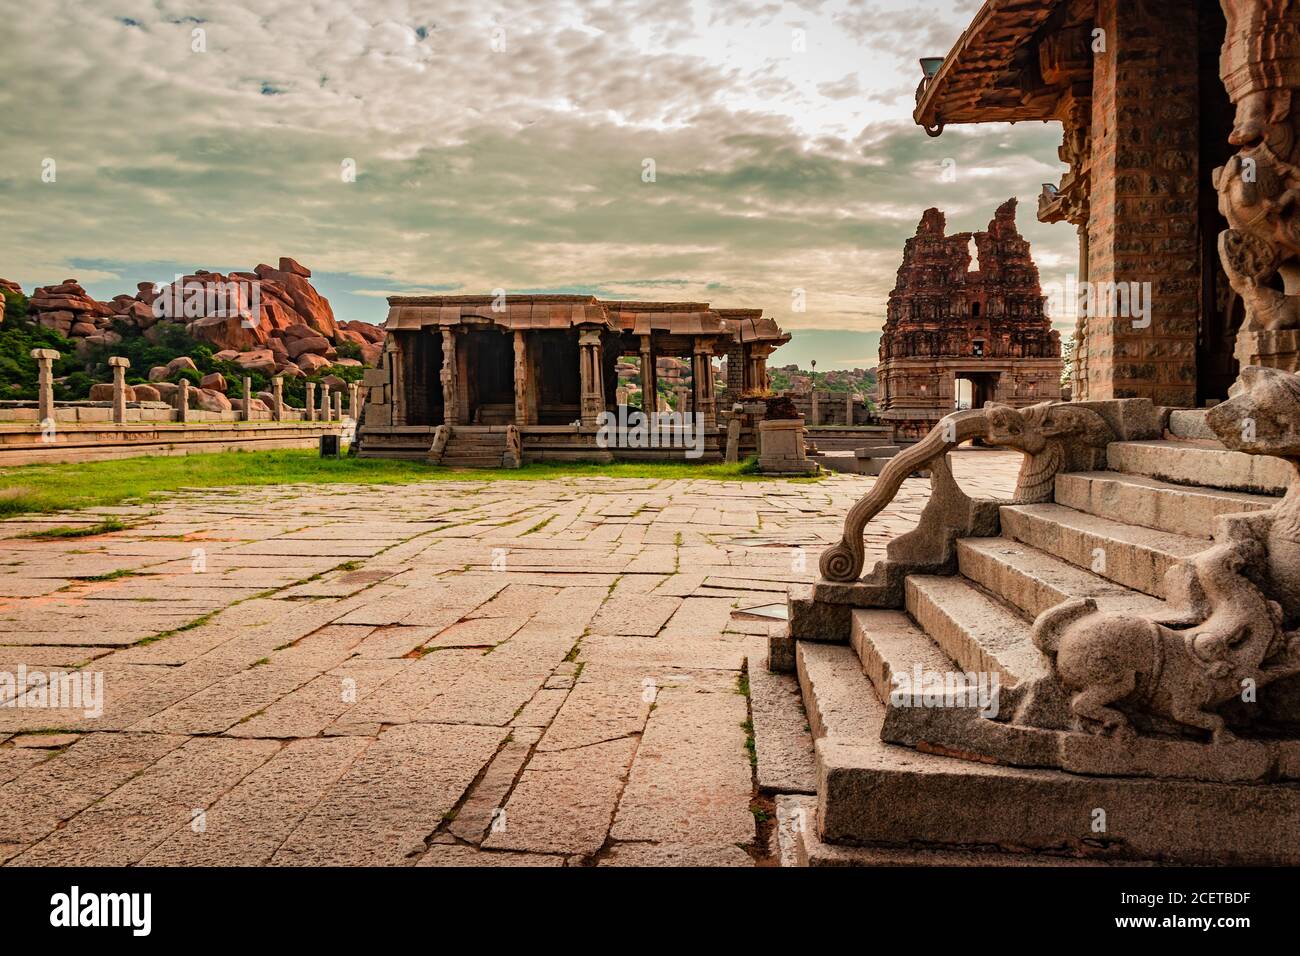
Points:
x=1051, y=435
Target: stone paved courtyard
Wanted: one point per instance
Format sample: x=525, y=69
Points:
x=444, y=673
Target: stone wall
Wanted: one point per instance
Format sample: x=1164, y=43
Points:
x=1143, y=225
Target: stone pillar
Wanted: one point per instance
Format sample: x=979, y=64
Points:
x=649, y=382
x=1143, y=228
x=392, y=365
x=521, y=378
x=324, y=401
x=592, y=379
x=45, y=359
x=338, y=406
x=815, y=414
x=448, y=377
x=119, y=364
x=733, y=433
x=848, y=409
x=248, y=399
x=309, y=407
x=354, y=403
x=277, y=398
x=702, y=382
x=183, y=401
x=1079, y=359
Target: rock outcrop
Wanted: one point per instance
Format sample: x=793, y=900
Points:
x=269, y=320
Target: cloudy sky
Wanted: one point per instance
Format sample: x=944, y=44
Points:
x=500, y=145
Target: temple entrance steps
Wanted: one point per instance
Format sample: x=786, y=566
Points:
x=472, y=446
x=933, y=781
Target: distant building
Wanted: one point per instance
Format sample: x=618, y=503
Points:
x=959, y=334
x=548, y=365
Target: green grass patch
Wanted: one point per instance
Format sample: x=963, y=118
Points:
x=43, y=489
x=110, y=576
x=78, y=531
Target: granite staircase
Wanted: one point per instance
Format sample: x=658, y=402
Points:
x=475, y=446
x=920, y=785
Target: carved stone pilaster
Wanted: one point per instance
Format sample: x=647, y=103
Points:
x=591, y=375
x=448, y=376
x=1258, y=187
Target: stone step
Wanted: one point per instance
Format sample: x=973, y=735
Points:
x=889, y=643
x=1179, y=509
x=873, y=793
x=973, y=629
x=1130, y=555
x=1207, y=464
x=837, y=696
x=1035, y=581
x=472, y=462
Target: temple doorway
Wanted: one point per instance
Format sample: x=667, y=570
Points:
x=421, y=373
x=559, y=389
x=489, y=354
x=974, y=389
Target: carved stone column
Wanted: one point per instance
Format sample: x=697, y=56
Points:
x=277, y=398
x=521, y=378
x=1260, y=251
x=119, y=364
x=591, y=377
x=649, y=385
x=702, y=380
x=45, y=359
x=338, y=405
x=448, y=377
x=324, y=402
x=248, y=399
x=309, y=410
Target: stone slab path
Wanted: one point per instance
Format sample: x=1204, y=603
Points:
x=563, y=672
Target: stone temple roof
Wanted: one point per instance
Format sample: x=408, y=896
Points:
x=521, y=312
x=525, y=312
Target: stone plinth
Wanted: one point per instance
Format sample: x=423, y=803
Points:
x=781, y=448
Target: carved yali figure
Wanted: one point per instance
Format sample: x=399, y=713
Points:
x=1048, y=433
x=1180, y=674
x=1231, y=605
x=1262, y=417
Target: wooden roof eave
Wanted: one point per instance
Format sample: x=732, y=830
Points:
x=977, y=82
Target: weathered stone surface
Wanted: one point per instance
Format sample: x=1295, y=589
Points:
x=782, y=737
x=392, y=798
